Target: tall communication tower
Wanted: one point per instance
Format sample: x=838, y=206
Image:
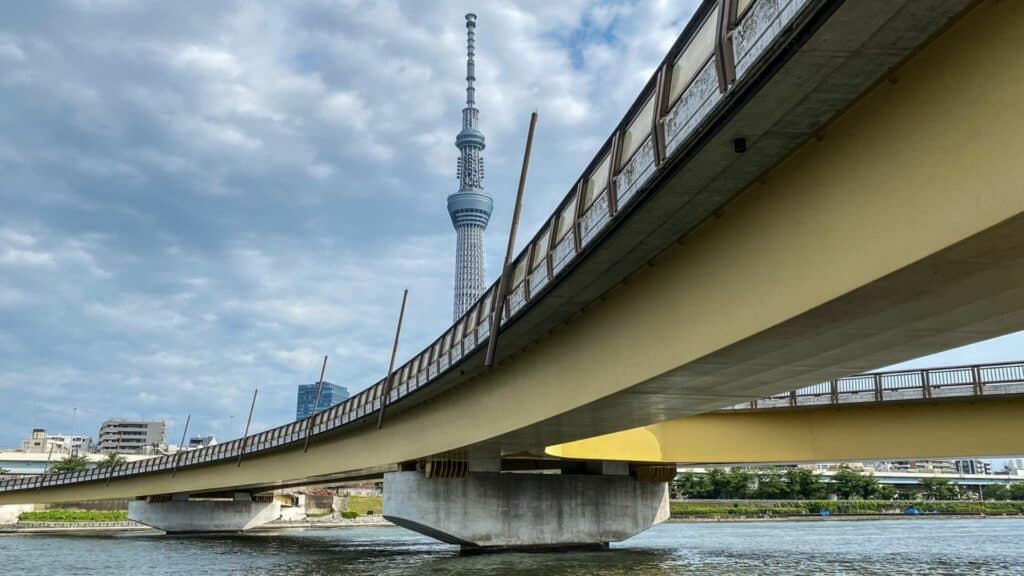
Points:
x=470, y=208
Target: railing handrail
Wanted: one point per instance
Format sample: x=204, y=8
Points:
x=920, y=379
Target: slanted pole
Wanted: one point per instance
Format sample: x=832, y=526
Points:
x=499, y=303
x=316, y=402
x=184, y=433
x=391, y=363
x=248, y=421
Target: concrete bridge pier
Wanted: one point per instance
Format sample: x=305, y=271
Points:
x=179, y=514
x=511, y=511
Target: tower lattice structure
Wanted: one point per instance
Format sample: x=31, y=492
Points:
x=470, y=208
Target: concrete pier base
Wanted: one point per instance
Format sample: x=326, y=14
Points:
x=9, y=513
x=524, y=511
x=193, y=516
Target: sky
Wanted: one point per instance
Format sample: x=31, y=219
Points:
x=199, y=199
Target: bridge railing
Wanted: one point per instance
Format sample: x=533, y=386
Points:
x=717, y=57
x=954, y=381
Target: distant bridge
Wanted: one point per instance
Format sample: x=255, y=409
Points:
x=805, y=189
x=964, y=411
x=905, y=479
x=970, y=381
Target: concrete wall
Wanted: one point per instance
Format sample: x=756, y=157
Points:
x=292, y=514
x=524, y=510
x=203, y=515
x=9, y=514
x=319, y=503
x=104, y=505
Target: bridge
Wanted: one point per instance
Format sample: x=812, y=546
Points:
x=805, y=189
x=956, y=411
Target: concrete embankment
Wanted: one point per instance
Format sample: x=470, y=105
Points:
x=360, y=522
x=129, y=526
x=74, y=527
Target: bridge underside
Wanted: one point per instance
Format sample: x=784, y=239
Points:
x=896, y=231
x=913, y=430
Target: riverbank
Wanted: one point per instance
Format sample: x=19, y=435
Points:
x=682, y=511
x=360, y=522
x=831, y=518
x=848, y=508
x=99, y=527
x=75, y=528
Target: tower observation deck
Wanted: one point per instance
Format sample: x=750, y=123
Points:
x=470, y=208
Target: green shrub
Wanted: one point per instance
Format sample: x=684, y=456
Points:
x=349, y=514
x=60, y=515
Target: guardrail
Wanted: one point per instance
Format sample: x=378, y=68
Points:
x=723, y=48
x=1004, y=378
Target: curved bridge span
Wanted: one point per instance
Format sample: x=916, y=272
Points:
x=805, y=189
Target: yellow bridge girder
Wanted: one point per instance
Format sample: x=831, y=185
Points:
x=936, y=429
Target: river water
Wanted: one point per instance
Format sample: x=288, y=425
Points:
x=885, y=547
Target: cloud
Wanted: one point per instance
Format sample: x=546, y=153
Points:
x=206, y=198
x=206, y=60
x=28, y=258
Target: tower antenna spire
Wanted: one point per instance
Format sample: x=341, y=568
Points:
x=470, y=62
x=470, y=208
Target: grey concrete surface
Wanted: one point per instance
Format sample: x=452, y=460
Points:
x=493, y=510
x=203, y=515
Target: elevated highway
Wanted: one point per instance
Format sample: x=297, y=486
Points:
x=805, y=189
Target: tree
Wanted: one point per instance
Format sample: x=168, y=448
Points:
x=73, y=463
x=996, y=492
x=884, y=493
x=869, y=486
x=804, y=483
x=771, y=487
x=848, y=483
x=938, y=489
x=693, y=485
x=112, y=459
x=1017, y=491
x=733, y=484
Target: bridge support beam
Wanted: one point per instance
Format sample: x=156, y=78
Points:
x=495, y=511
x=181, y=515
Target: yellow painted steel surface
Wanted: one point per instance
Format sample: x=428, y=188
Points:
x=938, y=429
x=916, y=165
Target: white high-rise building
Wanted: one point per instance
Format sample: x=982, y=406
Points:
x=470, y=208
x=60, y=444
